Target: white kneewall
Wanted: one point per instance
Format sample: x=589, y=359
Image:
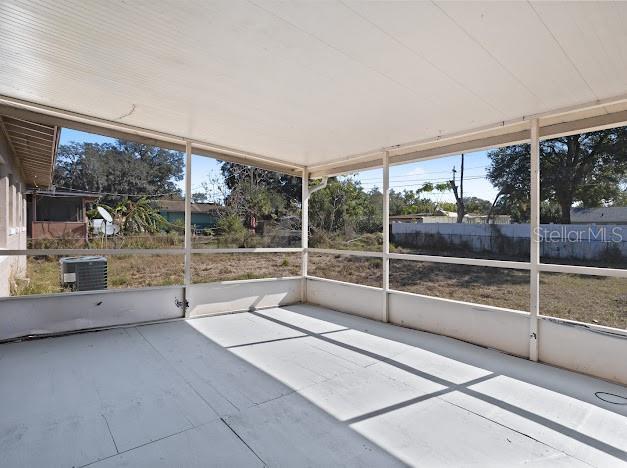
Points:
x=236, y=296
x=589, y=349
x=492, y=327
x=68, y=312
x=355, y=299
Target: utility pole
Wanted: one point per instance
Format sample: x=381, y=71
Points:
x=459, y=192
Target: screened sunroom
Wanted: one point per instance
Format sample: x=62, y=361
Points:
x=313, y=234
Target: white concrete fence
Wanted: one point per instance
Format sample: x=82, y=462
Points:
x=565, y=241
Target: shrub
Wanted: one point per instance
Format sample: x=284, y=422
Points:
x=231, y=229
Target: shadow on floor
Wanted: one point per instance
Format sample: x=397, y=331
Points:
x=298, y=385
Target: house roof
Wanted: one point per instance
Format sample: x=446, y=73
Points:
x=318, y=83
x=62, y=194
x=410, y=216
x=179, y=206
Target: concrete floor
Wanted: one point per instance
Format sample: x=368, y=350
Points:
x=296, y=386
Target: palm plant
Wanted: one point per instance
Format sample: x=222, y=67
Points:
x=136, y=216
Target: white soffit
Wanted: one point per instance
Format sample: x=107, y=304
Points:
x=308, y=83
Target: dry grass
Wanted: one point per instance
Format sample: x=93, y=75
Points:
x=229, y=267
x=592, y=299
x=481, y=285
x=359, y=270
x=42, y=277
x=140, y=271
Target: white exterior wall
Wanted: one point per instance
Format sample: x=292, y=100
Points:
x=12, y=218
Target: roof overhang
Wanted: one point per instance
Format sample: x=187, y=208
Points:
x=34, y=146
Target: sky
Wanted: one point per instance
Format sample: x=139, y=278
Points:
x=402, y=177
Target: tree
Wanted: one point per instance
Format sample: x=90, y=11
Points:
x=288, y=186
x=590, y=168
x=475, y=205
x=199, y=197
x=338, y=207
x=254, y=193
x=118, y=170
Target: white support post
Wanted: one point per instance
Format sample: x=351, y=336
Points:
x=18, y=206
x=304, y=233
x=386, y=235
x=12, y=203
x=188, y=213
x=4, y=207
x=534, y=270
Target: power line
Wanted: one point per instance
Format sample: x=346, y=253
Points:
x=356, y=176
x=155, y=195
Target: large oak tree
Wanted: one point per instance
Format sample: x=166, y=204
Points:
x=122, y=168
x=590, y=169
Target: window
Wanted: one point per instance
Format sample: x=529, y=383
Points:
x=499, y=287
x=237, y=206
x=583, y=193
x=468, y=205
x=348, y=213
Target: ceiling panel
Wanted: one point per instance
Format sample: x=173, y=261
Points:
x=310, y=82
x=594, y=36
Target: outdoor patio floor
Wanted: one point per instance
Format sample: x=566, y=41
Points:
x=295, y=386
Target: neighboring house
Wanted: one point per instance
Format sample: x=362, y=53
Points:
x=204, y=215
x=58, y=214
x=27, y=152
x=603, y=215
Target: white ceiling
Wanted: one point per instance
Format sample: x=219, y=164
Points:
x=310, y=82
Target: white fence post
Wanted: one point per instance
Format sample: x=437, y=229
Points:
x=386, y=235
x=304, y=233
x=534, y=271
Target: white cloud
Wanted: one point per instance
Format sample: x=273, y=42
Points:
x=416, y=171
